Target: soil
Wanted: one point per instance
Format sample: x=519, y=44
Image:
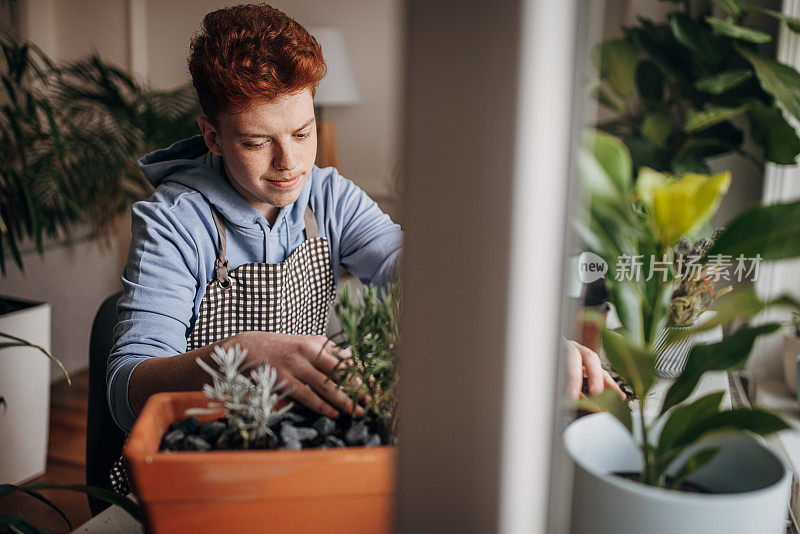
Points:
x=686, y=487
x=298, y=429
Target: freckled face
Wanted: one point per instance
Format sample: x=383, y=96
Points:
x=268, y=149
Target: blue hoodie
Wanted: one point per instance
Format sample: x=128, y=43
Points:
x=174, y=245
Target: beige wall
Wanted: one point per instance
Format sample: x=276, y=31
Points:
x=76, y=279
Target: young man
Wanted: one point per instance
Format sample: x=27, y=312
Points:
x=242, y=241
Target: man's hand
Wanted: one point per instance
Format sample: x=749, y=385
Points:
x=583, y=362
x=305, y=362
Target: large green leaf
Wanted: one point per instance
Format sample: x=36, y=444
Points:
x=716, y=84
x=609, y=401
x=633, y=363
x=691, y=34
x=712, y=141
x=658, y=127
x=616, y=61
x=657, y=42
x=613, y=156
x=770, y=130
x=779, y=80
x=754, y=420
x=595, y=181
x=769, y=231
x=720, y=356
x=697, y=120
x=734, y=8
x=645, y=153
x=681, y=416
x=730, y=29
x=628, y=301
x=649, y=81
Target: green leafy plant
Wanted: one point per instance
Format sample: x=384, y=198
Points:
x=70, y=136
x=796, y=323
x=624, y=218
x=18, y=524
x=677, y=89
x=368, y=343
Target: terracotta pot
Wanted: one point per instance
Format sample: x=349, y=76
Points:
x=314, y=490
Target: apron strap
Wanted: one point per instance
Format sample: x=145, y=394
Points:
x=221, y=265
x=312, y=229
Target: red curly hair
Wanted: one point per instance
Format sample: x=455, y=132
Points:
x=250, y=52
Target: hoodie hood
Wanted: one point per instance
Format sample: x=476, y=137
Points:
x=191, y=164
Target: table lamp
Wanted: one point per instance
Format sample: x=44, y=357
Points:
x=338, y=88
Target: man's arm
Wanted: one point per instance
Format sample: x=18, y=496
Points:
x=300, y=360
x=370, y=243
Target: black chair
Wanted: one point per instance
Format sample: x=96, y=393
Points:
x=104, y=439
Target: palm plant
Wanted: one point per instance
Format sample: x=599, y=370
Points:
x=70, y=137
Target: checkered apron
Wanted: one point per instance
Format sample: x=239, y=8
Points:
x=292, y=297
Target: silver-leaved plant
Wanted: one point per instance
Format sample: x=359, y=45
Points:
x=248, y=401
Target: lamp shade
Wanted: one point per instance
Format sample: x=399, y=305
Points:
x=338, y=88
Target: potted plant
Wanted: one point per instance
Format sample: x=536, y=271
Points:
x=296, y=476
x=643, y=468
x=680, y=92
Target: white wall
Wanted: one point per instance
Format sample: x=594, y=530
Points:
x=75, y=280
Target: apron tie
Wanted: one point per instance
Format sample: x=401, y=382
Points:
x=221, y=265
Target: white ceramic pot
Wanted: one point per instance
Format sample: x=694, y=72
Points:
x=25, y=386
x=791, y=361
x=670, y=356
x=752, y=482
